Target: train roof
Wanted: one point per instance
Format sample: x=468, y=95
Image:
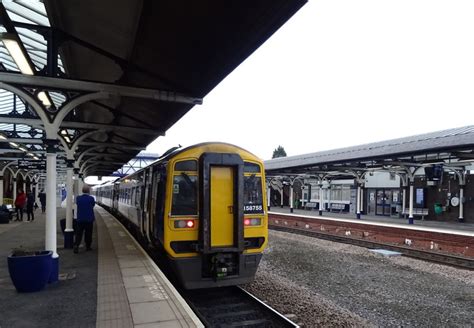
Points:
x=175, y=151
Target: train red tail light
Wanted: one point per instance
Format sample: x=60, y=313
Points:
x=184, y=224
x=252, y=222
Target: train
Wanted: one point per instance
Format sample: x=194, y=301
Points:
x=202, y=207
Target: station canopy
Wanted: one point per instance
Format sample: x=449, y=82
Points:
x=140, y=66
x=452, y=148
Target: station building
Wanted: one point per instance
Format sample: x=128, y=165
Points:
x=432, y=172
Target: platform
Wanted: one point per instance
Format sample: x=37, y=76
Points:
x=465, y=229
x=114, y=285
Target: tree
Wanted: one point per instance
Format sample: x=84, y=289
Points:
x=279, y=152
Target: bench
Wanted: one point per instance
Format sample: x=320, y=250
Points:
x=310, y=205
x=338, y=207
x=418, y=212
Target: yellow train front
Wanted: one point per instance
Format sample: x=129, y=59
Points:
x=204, y=207
x=215, y=219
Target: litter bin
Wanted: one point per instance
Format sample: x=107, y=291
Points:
x=438, y=208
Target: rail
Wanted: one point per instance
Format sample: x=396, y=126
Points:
x=233, y=307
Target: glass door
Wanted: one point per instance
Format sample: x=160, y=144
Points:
x=383, y=202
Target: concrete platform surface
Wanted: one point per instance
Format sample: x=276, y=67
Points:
x=114, y=285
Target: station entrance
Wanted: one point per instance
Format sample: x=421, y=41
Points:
x=384, y=202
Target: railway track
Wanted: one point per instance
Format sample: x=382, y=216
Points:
x=453, y=260
x=233, y=307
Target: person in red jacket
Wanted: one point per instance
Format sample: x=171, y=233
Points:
x=20, y=202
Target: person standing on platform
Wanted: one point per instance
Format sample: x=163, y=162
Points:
x=30, y=206
x=85, y=218
x=20, y=202
x=42, y=198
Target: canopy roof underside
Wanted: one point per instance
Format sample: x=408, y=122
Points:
x=186, y=47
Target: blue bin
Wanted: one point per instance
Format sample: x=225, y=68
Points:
x=31, y=272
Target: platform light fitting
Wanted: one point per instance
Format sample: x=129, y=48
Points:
x=2, y=137
x=13, y=46
x=43, y=97
x=23, y=149
x=13, y=144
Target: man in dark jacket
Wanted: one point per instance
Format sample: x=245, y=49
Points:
x=30, y=203
x=85, y=218
x=42, y=198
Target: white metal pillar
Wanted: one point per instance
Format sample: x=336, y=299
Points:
x=320, y=199
x=69, y=231
x=404, y=202
x=281, y=195
x=361, y=199
x=75, y=191
x=24, y=185
x=51, y=242
x=410, y=209
x=461, y=205
x=80, y=184
x=268, y=196
x=36, y=185
x=291, y=197
x=1, y=190
x=329, y=196
x=358, y=201
x=14, y=189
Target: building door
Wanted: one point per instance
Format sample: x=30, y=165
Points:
x=383, y=202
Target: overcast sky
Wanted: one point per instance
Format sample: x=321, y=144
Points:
x=341, y=73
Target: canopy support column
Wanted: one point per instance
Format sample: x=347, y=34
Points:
x=461, y=205
x=69, y=231
x=1, y=190
x=268, y=196
x=320, y=199
x=410, y=210
x=291, y=198
x=358, y=201
x=51, y=242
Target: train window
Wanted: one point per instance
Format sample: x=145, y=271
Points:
x=190, y=165
x=251, y=168
x=253, y=194
x=184, y=195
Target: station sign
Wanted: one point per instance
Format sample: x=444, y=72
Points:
x=28, y=164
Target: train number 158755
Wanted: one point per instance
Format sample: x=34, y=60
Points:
x=253, y=208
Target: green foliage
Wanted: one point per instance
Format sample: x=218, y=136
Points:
x=279, y=152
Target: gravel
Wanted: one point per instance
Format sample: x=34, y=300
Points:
x=327, y=284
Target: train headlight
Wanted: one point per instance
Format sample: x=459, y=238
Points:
x=184, y=224
x=252, y=222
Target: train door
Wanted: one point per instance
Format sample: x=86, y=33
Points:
x=221, y=209
x=147, y=202
x=222, y=206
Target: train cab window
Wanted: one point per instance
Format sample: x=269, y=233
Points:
x=184, y=195
x=253, y=200
x=190, y=165
x=251, y=168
